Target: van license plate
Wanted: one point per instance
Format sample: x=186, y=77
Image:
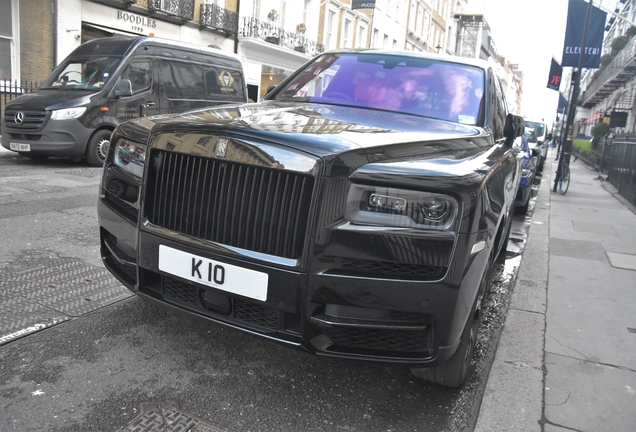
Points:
x=20, y=147
x=225, y=277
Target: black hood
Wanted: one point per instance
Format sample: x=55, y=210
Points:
x=326, y=130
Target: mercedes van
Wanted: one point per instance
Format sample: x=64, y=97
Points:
x=107, y=81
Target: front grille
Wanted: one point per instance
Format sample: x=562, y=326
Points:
x=32, y=120
x=186, y=294
x=379, y=339
x=249, y=207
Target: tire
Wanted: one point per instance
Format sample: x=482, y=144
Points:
x=564, y=180
x=454, y=371
x=97, y=148
x=541, y=164
x=524, y=208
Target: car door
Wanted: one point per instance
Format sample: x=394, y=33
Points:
x=144, y=100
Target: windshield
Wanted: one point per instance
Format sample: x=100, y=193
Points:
x=431, y=88
x=89, y=73
x=537, y=127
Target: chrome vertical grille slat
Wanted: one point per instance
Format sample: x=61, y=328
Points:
x=250, y=207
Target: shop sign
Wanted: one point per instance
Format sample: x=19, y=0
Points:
x=137, y=22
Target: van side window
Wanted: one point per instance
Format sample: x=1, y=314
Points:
x=182, y=80
x=223, y=84
x=140, y=75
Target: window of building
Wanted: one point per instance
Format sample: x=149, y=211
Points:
x=385, y=42
x=9, y=32
x=256, y=9
x=361, y=41
x=413, y=17
x=346, y=34
x=376, y=36
x=283, y=12
x=329, y=31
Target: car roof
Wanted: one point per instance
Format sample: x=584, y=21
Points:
x=482, y=64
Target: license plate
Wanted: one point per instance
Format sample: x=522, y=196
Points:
x=20, y=147
x=225, y=277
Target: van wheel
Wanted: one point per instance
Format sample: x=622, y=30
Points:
x=97, y=148
x=454, y=371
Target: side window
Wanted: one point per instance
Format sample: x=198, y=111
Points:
x=499, y=107
x=223, y=84
x=182, y=80
x=140, y=75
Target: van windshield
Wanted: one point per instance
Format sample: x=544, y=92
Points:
x=538, y=127
x=89, y=73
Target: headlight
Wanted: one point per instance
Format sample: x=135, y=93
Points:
x=525, y=173
x=130, y=156
x=67, y=113
x=384, y=206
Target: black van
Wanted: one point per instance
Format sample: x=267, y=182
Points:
x=105, y=82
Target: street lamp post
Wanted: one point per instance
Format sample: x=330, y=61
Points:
x=569, y=126
x=438, y=48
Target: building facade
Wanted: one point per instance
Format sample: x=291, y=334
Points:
x=273, y=37
x=608, y=93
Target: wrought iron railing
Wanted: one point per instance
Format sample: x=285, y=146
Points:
x=11, y=90
x=182, y=9
x=215, y=17
x=251, y=27
x=621, y=172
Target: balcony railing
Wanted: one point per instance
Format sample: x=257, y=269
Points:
x=619, y=71
x=215, y=17
x=251, y=27
x=180, y=9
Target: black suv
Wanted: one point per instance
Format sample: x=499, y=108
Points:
x=355, y=212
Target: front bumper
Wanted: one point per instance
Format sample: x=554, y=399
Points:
x=64, y=138
x=330, y=313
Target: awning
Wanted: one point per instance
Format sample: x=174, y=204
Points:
x=108, y=30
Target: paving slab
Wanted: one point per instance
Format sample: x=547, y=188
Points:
x=589, y=397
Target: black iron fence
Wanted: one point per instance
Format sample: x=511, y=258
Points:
x=251, y=27
x=621, y=166
x=11, y=90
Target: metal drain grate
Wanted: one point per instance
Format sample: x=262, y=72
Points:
x=168, y=419
x=46, y=294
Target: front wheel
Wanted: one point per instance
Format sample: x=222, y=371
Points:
x=97, y=148
x=454, y=371
x=564, y=179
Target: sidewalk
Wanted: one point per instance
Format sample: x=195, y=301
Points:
x=566, y=360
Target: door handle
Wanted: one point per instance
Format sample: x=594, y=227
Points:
x=149, y=104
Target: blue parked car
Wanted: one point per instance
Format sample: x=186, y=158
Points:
x=528, y=172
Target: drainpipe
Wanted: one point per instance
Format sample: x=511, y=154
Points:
x=238, y=23
x=55, y=34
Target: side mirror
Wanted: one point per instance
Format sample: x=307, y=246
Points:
x=514, y=127
x=270, y=88
x=123, y=88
